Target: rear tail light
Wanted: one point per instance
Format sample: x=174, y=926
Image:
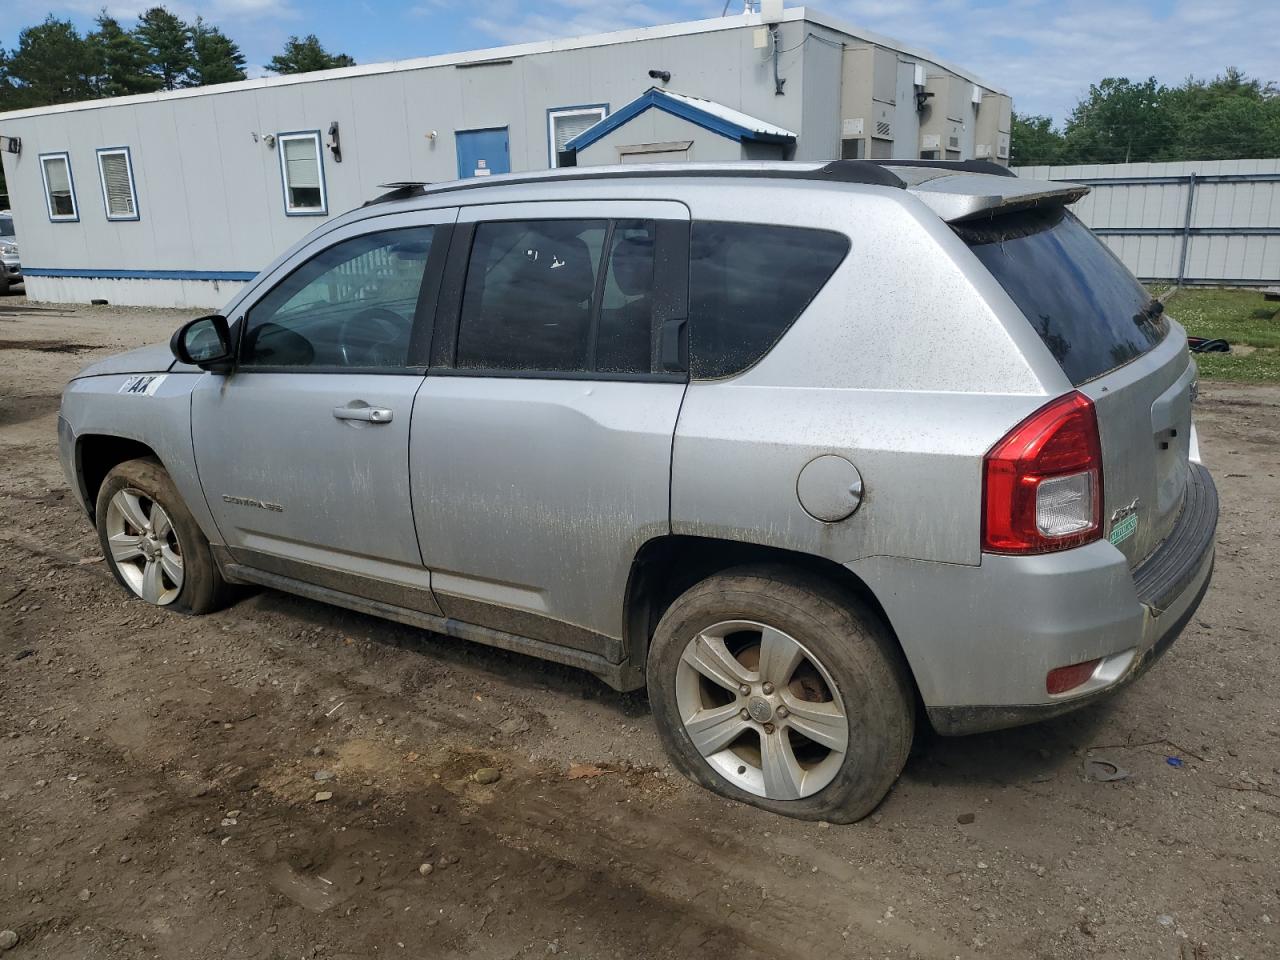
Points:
x=1042, y=484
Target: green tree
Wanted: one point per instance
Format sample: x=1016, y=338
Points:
x=120, y=59
x=1033, y=141
x=1120, y=121
x=51, y=64
x=168, y=43
x=305, y=55
x=216, y=57
x=1231, y=117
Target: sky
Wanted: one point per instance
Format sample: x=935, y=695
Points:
x=1044, y=52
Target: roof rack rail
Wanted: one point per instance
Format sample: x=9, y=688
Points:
x=841, y=171
x=399, y=190
x=857, y=171
x=968, y=166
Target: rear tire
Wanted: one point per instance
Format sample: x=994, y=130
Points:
x=782, y=690
x=151, y=542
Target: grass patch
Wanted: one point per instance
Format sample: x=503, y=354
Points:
x=1245, y=319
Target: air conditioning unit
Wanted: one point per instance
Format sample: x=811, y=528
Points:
x=982, y=151
x=930, y=141
x=852, y=128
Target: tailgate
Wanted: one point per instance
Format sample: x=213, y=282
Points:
x=1144, y=420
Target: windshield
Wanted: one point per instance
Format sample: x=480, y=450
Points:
x=1087, y=307
x=6, y=227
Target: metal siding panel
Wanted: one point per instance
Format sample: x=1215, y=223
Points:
x=906, y=122
x=818, y=136
x=200, y=165
x=249, y=183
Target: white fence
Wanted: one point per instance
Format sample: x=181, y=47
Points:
x=1214, y=222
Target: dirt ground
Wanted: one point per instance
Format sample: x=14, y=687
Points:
x=158, y=775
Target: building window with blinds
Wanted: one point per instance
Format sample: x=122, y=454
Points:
x=59, y=188
x=565, y=123
x=115, y=172
x=302, y=170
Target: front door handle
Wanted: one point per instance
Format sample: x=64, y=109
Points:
x=366, y=413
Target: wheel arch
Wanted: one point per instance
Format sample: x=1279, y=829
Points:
x=667, y=566
x=96, y=454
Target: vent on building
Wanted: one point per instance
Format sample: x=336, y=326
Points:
x=930, y=141
x=1003, y=150
x=953, y=143
x=852, y=127
x=982, y=150
x=884, y=129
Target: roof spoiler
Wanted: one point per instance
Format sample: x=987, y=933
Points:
x=969, y=196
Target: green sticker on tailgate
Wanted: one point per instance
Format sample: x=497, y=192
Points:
x=1124, y=529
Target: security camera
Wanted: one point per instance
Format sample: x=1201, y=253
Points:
x=663, y=75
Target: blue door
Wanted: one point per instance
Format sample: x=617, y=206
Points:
x=482, y=152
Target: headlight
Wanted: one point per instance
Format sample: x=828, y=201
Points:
x=9, y=249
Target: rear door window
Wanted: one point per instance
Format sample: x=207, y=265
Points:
x=748, y=282
x=1086, y=306
x=567, y=296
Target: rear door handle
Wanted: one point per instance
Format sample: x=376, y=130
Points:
x=369, y=414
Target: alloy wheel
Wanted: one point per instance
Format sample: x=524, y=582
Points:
x=144, y=546
x=762, y=710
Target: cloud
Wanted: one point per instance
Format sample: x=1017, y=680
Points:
x=1046, y=53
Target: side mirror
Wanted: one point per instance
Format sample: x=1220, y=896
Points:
x=204, y=342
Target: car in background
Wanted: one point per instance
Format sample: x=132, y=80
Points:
x=10, y=265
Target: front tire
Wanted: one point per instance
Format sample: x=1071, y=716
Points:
x=782, y=690
x=152, y=543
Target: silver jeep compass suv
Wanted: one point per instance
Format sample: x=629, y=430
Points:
x=793, y=445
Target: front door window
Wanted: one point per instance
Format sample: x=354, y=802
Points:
x=351, y=305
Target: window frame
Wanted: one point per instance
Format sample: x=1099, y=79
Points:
x=554, y=113
x=65, y=156
x=670, y=275
x=102, y=182
x=315, y=137
x=424, y=312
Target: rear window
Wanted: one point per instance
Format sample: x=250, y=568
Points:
x=1088, y=309
x=748, y=282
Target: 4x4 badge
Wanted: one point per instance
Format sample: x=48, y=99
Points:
x=1124, y=521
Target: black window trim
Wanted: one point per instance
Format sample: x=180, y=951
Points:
x=671, y=297
x=423, y=314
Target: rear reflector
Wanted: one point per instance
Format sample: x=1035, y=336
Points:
x=1062, y=679
x=1042, y=483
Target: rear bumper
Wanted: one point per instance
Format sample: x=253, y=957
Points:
x=980, y=640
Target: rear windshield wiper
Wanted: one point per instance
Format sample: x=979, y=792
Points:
x=1150, y=313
